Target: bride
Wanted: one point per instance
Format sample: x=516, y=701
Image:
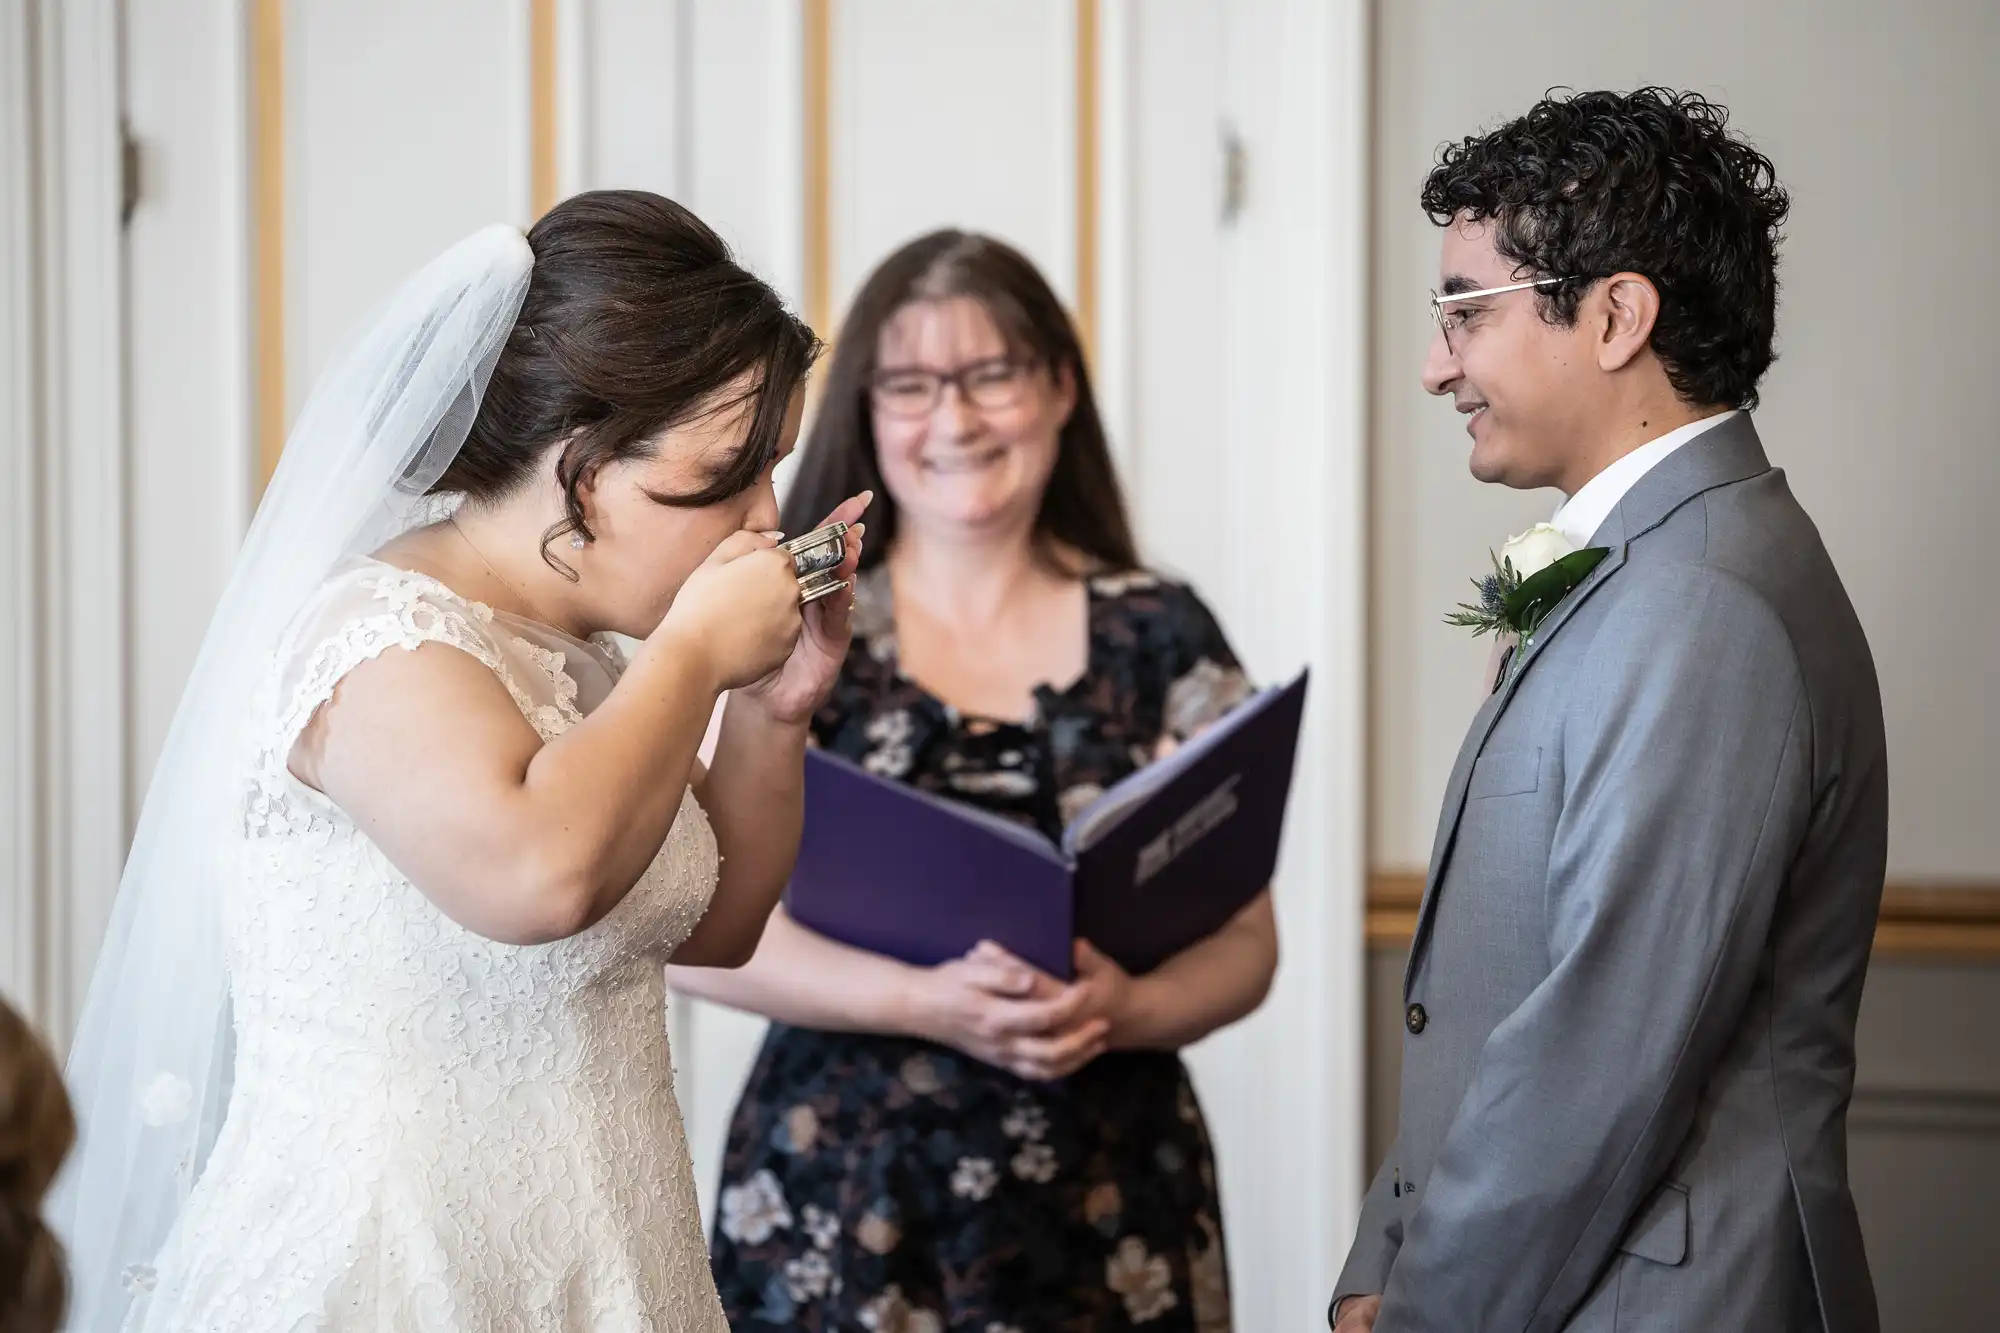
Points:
x=377, y=1039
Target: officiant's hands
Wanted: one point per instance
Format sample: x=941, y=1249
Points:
x=796, y=688
x=1005, y=1012
x=1103, y=989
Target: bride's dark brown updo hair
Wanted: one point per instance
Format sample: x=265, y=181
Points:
x=637, y=319
x=36, y=1133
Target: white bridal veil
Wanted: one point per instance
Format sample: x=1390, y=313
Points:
x=150, y=1068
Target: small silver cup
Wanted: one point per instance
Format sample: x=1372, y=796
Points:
x=816, y=559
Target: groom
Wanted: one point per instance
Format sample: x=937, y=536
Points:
x=1631, y=994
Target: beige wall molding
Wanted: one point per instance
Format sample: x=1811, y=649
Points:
x=1959, y=920
x=1086, y=177
x=817, y=75
x=543, y=155
x=267, y=230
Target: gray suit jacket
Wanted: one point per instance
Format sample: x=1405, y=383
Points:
x=1631, y=996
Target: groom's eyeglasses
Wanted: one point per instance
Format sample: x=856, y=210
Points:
x=1453, y=321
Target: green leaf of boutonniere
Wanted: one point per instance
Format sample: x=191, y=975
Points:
x=1529, y=602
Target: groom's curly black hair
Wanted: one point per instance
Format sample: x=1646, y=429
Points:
x=1651, y=182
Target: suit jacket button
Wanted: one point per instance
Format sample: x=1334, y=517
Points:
x=1417, y=1020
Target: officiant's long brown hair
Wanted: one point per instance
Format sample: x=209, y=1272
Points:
x=1082, y=506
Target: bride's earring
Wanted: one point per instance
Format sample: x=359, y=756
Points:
x=577, y=543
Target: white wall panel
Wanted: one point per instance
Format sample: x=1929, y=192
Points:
x=83, y=535
x=62, y=410
x=746, y=173
x=1178, y=465
x=189, y=450
x=957, y=114
x=1246, y=476
x=407, y=129
x=22, y=900
x=626, y=94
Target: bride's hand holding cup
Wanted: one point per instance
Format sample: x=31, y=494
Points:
x=738, y=613
x=797, y=686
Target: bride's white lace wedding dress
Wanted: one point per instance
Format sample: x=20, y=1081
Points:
x=429, y=1130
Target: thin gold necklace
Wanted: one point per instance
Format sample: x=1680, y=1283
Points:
x=534, y=611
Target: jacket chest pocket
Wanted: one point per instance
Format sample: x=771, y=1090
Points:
x=1506, y=773
x=1660, y=1231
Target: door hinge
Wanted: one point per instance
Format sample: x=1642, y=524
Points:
x=131, y=178
x=1235, y=173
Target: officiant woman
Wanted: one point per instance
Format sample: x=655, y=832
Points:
x=976, y=1145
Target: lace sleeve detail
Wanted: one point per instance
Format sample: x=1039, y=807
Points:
x=356, y=616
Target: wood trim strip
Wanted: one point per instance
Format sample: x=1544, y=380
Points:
x=543, y=186
x=267, y=233
x=1905, y=1110
x=1960, y=936
x=817, y=75
x=1393, y=899
x=1086, y=176
x=1919, y=920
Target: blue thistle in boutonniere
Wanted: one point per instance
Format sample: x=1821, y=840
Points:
x=1531, y=576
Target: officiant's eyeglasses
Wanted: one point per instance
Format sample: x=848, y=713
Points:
x=995, y=383
x=1452, y=321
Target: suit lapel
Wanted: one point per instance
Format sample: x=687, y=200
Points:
x=1727, y=454
x=1483, y=723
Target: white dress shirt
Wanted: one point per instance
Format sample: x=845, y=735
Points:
x=1580, y=516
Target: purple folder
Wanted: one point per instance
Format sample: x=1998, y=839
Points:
x=1161, y=860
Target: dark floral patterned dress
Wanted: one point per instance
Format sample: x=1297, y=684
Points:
x=888, y=1184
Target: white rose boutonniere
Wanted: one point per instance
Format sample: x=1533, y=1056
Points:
x=1531, y=576
x=1535, y=550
